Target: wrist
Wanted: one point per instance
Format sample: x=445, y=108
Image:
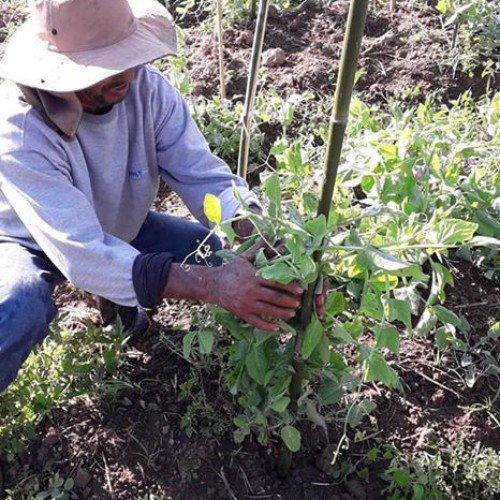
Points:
x=191, y=283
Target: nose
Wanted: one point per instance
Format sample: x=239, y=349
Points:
x=124, y=78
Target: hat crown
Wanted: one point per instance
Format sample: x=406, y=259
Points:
x=82, y=25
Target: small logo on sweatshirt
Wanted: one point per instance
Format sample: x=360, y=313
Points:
x=136, y=173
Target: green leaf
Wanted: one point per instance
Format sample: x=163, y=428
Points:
x=426, y=323
x=187, y=343
x=110, y=360
x=317, y=228
x=206, y=341
x=377, y=369
x=400, y=311
x=307, y=268
x=68, y=484
x=330, y=392
x=385, y=261
x=312, y=336
x=485, y=241
x=358, y=411
x=279, y=272
x=372, y=306
x=273, y=192
x=451, y=232
x=340, y=334
x=212, y=208
x=401, y=477
x=388, y=337
x=313, y=414
x=335, y=303
x=447, y=316
x=410, y=296
x=445, y=337
x=281, y=404
x=291, y=437
x=441, y=277
x=256, y=364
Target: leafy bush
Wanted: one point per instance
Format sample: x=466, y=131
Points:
x=476, y=24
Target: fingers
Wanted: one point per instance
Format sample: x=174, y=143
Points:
x=279, y=298
x=261, y=324
x=294, y=288
x=320, y=300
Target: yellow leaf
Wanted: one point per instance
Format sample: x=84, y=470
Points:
x=212, y=208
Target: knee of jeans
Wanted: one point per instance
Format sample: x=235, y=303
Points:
x=26, y=310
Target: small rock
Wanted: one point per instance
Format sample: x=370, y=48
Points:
x=82, y=478
x=356, y=489
x=272, y=58
x=427, y=435
x=273, y=12
x=153, y=407
x=42, y=455
x=245, y=38
x=50, y=440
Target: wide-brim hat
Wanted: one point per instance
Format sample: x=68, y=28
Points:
x=70, y=45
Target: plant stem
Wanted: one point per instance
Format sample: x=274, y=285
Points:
x=348, y=64
x=253, y=8
x=253, y=72
x=220, y=36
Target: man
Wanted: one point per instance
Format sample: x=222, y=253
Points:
x=87, y=129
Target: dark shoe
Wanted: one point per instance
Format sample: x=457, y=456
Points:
x=2, y=480
x=134, y=320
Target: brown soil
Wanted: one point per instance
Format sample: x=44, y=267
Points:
x=400, y=51
x=134, y=446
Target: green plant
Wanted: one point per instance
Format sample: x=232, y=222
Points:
x=68, y=365
x=475, y=40
x=462, y=470
x=407, y=200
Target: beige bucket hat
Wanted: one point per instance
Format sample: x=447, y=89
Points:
x=69, y=45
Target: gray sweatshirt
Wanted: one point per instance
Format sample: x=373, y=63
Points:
x=82, y=202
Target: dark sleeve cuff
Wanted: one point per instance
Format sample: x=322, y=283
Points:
x=149, y=276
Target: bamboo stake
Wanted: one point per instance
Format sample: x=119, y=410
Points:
x=222, y=72
x=392, y=5
x=253, y=73
x=338, y=123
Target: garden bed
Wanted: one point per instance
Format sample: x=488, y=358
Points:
x=141, y=443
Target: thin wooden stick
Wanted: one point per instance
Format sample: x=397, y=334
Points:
x=253, y=75
x=220, y=31
x=392, y=5
x=345, y=82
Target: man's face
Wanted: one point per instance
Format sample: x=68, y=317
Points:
x=101, y=96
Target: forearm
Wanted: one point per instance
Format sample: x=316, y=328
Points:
x=189, y=283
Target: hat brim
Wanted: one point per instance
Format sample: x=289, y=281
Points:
x=27, y=59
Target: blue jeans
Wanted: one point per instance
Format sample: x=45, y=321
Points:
x=28, y=280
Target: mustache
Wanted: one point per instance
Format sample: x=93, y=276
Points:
x=117, y=85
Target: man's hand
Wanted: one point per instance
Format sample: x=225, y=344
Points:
x=245, y=227
x=237, y=288
x=320, y=299
x=255, y=300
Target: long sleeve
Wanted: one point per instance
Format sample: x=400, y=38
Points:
x=63, y=222
x=189, y=167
